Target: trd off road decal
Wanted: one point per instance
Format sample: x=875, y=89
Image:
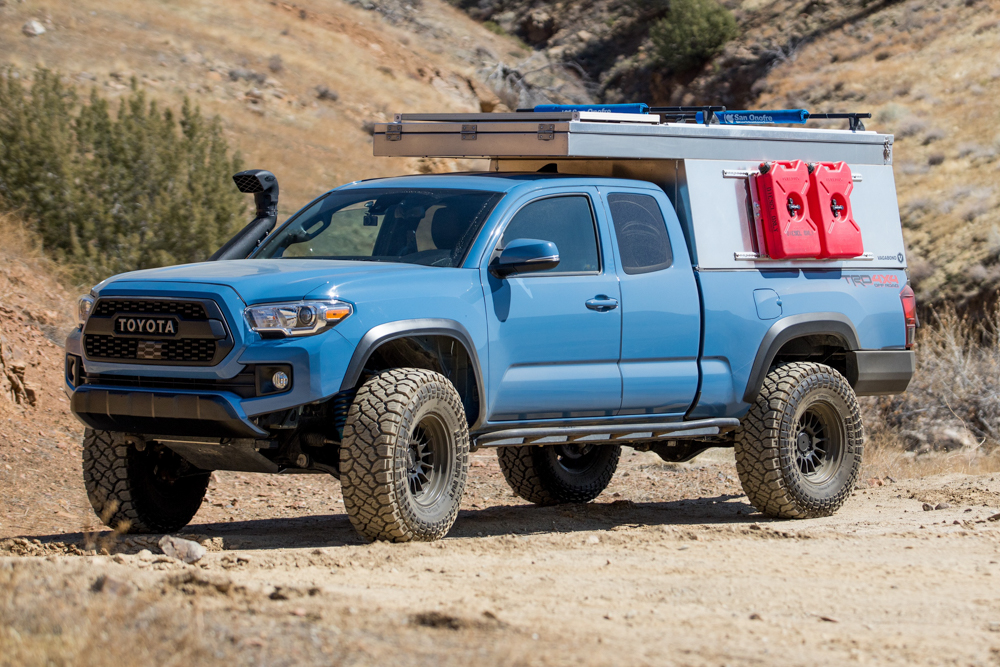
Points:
x=873, y=280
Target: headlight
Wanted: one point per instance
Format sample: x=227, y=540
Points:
x=301, y=318
x=84, y=306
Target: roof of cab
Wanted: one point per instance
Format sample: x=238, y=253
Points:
x=486, y=180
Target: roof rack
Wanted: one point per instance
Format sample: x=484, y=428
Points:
x=628, y=132
x=666, y=114
x=708, y=115
x=640, y=113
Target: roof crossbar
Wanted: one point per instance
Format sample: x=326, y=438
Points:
x=853, y=119
x=705, y=114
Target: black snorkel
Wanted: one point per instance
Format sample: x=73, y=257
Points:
x=263, y=185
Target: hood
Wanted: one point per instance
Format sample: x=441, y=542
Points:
x=264, y=280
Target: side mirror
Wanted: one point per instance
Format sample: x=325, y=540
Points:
x=525, y=256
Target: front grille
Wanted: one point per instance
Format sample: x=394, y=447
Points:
x=191, y=350
x=187, y=309
x=197, y=336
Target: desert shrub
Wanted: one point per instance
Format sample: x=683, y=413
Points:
x=909, y=127
x=956, y=387
x=692, y=32
x=111, y=192
x=495, y=28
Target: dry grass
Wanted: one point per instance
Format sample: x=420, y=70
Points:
x=886, y=455
x=949, y=418
x=21, y=246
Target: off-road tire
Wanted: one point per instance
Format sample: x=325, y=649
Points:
x=538, y=475
x=132, y=491
x=782, y=479
x=392, y=414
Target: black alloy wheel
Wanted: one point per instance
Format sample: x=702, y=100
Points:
x=428, y=464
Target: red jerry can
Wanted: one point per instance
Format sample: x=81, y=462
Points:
x=783, y=191
x=830, y=186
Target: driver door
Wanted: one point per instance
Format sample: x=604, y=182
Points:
x=555, y=335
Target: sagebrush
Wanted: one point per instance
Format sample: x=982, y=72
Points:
x=692, y=32
x=107, y=191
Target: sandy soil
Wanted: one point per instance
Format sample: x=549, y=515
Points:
x=670, y=566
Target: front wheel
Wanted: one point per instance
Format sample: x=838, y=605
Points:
x=559, y=473
x=799, y=450
x=405, y=456
x=140, y=487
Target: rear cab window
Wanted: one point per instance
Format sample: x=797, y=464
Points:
x=641, y=232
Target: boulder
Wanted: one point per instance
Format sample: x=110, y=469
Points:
x=538, y=27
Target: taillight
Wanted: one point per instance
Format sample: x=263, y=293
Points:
x=909, y=300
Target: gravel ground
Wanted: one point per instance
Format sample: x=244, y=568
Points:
x=670, y=566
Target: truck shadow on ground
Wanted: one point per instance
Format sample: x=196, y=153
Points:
x=335, y=530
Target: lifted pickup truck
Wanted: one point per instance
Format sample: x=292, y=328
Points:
x=613, y=280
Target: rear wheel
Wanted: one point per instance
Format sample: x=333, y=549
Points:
x=799, y=450
x=140, y=487
x=405, y=456
x=559, y=473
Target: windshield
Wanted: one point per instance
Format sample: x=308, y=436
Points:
x=429, y=227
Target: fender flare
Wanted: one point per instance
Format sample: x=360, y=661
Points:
x=790, y=328
x=390, y=331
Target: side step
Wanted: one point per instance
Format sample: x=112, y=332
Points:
x=540, y=435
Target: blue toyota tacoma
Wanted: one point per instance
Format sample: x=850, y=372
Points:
x=393, y=325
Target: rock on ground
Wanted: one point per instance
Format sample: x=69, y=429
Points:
x=33, y=28
x=181, y=549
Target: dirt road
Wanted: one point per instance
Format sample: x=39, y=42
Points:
x=670, y=566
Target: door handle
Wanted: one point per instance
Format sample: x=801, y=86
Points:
x=602, y=303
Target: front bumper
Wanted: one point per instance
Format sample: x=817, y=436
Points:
x=163, y=413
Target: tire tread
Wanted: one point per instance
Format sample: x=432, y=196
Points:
x=110, y=488
x=369, y=469
x=528, y=472
x=767, y=470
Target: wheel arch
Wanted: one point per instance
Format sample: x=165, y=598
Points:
x=809, y=336
x=423, y=343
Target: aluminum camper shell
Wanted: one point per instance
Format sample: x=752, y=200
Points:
x=704, y=169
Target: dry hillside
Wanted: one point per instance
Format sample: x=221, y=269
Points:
x=929, y=73
x=39, y=438
x=259, y=65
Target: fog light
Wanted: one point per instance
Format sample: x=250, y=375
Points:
x=280, y=380
x=272, y=378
